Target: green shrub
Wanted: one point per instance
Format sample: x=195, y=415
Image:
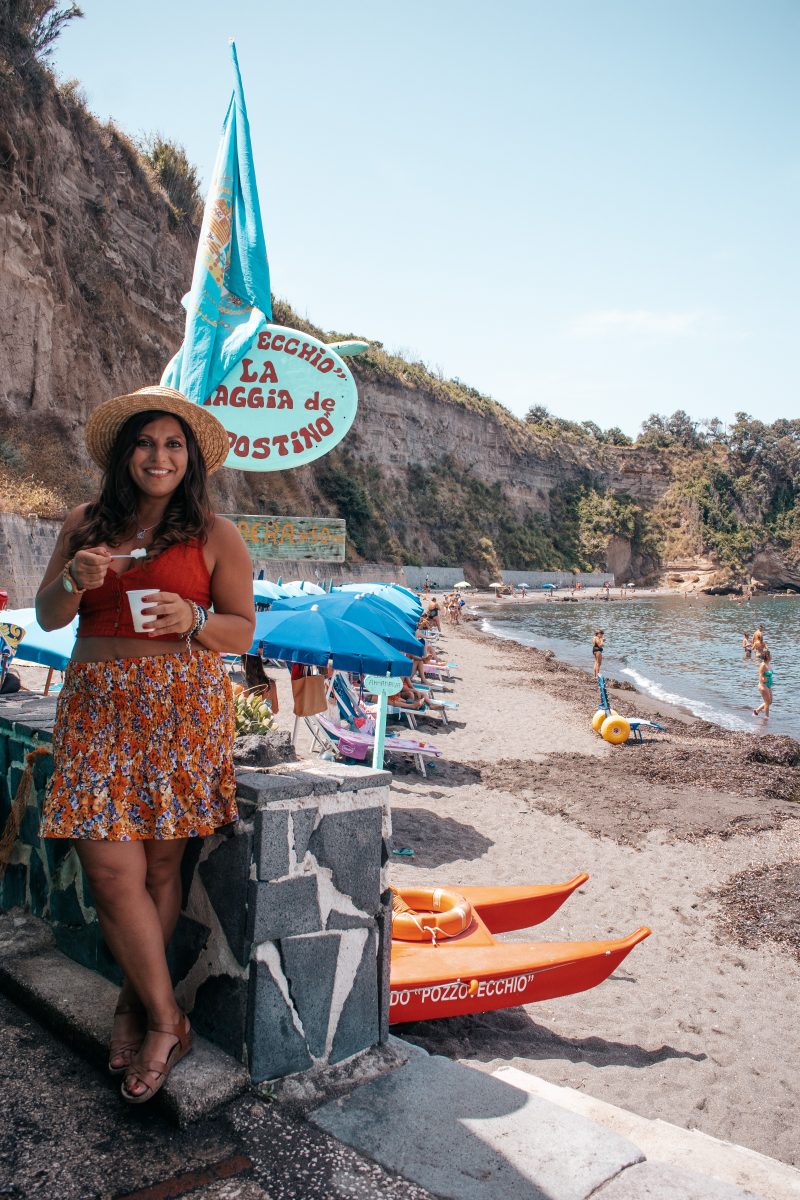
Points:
x=176, y=175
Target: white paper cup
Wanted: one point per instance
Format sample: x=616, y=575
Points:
x=136, y=599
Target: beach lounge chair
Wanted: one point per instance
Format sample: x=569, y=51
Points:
x=435, y=687
x=350, y=743
x=353, y=710
x=440, y=670
x=432, y=707
x=636, y=723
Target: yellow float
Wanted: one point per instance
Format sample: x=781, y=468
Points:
x=615, y=729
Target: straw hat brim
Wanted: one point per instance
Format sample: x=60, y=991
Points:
x=106, y=421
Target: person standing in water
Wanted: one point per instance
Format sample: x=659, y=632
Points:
x=765, y=678
x=758, y=640
x=747, y=646
x=597, y=650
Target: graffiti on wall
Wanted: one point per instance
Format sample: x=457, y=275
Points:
x=320, y=538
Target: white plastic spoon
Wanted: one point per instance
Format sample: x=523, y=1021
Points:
x=139, y=552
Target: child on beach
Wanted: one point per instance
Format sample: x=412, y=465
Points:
x=597, y=650
x=765, y=678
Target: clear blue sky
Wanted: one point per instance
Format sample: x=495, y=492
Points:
x=586, y=204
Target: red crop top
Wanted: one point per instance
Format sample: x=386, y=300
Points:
x=105, y=611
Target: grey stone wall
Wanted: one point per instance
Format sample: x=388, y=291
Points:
x=445, y=577
x=26, y=544
x=282, y=949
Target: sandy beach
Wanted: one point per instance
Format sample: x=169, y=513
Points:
x=685, y=834
x=693, y=833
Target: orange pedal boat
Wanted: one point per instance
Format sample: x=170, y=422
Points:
x=447, y=963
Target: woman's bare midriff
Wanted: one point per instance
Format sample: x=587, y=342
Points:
x=103, y=649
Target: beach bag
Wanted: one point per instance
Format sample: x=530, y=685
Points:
x=271, y=694
x=309, y=695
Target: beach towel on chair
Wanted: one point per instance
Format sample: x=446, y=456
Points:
x=353, y=748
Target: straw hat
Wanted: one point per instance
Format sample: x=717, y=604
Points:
x=106, y=421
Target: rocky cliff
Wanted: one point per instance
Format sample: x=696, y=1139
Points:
x=92, y=269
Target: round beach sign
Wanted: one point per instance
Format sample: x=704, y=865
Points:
x=289, y=400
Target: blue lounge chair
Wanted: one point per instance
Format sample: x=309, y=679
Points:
x=352, y=744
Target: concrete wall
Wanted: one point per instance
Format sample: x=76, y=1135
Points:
x=442, y=577
x=560, y=578
x=281, y=953
x=445, y=577
x=320, y=573
x=26, y=544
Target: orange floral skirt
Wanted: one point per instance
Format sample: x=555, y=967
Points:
x=143, y=749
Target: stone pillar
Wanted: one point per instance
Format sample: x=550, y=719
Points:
x=282, y=949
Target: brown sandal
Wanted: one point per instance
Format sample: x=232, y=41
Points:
x=130, y=1047
x=182, y=1032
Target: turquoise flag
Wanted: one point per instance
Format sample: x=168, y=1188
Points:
x=230, y=296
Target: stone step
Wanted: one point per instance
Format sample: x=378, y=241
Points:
x=467, y=1135
x=78, y=1004
x=662, y=1142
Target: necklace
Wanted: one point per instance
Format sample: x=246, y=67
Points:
x=141, y=532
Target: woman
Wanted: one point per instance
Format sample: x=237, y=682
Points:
x=765, y=678
x=747, y=645
x=144, y=728
x=597, y=650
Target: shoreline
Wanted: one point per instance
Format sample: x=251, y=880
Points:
x=688, y=833
x=664, y=696
x=647, y=705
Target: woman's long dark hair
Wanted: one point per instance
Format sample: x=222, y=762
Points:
x=107, y=520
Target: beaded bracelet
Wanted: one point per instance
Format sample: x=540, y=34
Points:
x=199, y=618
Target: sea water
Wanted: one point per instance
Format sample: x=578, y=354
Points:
x=684, y=651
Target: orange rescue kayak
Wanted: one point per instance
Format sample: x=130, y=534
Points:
x=471, y=972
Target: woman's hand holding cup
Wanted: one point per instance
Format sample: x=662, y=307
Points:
x=168, y=613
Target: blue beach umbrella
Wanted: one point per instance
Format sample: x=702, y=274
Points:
x=365, y=612
x=49, y=648
x=302, y=587
x=407, y=592
x=385, y=603
x=265, y=589
x=310, y=636
x=391, y=595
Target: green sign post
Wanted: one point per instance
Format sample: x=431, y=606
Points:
x=383, y=686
